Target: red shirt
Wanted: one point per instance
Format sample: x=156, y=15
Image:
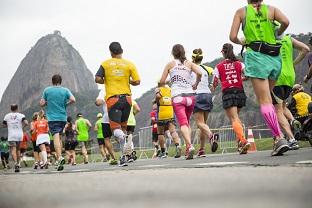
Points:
x=41, y=127
x=230, y=74
x=153, y=115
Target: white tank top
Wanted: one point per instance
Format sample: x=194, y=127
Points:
x=203, y=85
x=181, y=79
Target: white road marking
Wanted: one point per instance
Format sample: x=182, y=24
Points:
x=80, y=170
x=221, y=163
x=305, y=162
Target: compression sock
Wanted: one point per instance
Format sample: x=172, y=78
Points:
x=269, y=115
x=239, y=131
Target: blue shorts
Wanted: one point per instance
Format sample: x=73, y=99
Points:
x=56, y=127
x=262, y=66
x=203, y=102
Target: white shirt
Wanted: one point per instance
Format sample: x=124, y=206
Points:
x=101, y=96
x=181, y=79
x=15, y=126
x=203, y=85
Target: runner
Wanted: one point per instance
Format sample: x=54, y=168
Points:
x=4, y=152
x=165, y=120
x=182, y=91
x=284, y=84
x=33, y=134
x=229, y=72
x=203, y=105
x=82, y=127
x=42, y=131
x=301, y=102
x=15, y=122
x=153, y=115
x=106, y=130
x=70, y=141
x=263, y=64
x=23, y=148
x=117, y=74
x=135, y=109
x=100, y=137
x=309, y=74
x=56, y=99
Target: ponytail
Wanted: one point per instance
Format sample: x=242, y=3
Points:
x=228, y=52
x=178, y=52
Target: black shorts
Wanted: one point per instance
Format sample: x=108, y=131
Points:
x=130, y=128
x=101, y=141
x=280, y=94
x=36, y=148
x=5, y=156
x=56, y=127
x=203, y=102
x=70, y=145
x=233, y=97
x=154, y=137
x=165, y=122
x=118, y=110
x=107, y=133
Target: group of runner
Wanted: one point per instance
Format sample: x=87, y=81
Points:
x=268, y=63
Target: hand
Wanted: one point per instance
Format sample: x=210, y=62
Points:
x=195, y=86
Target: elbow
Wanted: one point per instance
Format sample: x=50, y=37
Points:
x=233, y=38
x=99, y=80
x=136, y=83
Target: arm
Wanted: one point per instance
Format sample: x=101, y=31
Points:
x=42, y=102
x=135, y=83
x=166, y=72
x=136, y=108
x=99, y=102
x=303, y=50
x=198, y=73
x=281, y=18
x=71, y=100
x=4, y=124
x=95, y=127
x=88, y=123
x=309, y=75
x=99, y=76
x=25, y=122
x=134, y=76
x=237, y=20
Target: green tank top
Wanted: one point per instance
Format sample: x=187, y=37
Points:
x=131, y=118
x=83, y=130
x=257, y=25
x=4, y=146
x=287, y=76
x=99, y=129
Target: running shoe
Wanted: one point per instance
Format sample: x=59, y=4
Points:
x=243, y=147
x=122, y=161
x=190, y=150
x=214, y=143
x=280, y=147
x=162, y=155
x=178, y=152
x=158, y=153
x=113, y=162
x=108, y=157
x=134, y=157
x=73, y=164
x=44, y=166
x=201, y=153
x=296, y=127
x=60, y=164
x=293, y=145
x=129, y=158
x=105, y=159
x=36, y=165
x=17, y=168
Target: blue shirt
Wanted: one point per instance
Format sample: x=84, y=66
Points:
x=56, y=98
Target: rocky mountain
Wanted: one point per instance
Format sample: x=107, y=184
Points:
x=50, y=55
x=250, y=114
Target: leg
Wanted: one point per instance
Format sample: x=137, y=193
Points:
x=232, y=114
x=283, y=120
x=43, y=153
x=109, y=146
x=57, y=145
x=262, y=91
x=204, y=128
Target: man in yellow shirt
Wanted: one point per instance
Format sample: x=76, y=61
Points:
x=117, y=74
x=300, y=102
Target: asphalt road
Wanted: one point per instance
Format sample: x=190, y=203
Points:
x=231, y=180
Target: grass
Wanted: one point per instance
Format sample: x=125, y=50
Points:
x=262, y=144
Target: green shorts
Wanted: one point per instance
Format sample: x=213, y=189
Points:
x=259, y=65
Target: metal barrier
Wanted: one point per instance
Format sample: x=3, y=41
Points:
x=145, y=141
x=227, y=138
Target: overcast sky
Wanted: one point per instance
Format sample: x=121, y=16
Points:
x=147, y=29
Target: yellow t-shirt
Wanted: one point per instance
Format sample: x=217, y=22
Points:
x=302, y=101
x=165, y=110
x=116, y=76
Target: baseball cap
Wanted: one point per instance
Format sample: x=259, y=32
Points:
x=99, y=115
x=115, y=48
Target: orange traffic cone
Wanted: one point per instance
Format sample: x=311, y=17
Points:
x=251, y=140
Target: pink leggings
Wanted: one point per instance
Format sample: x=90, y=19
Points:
x=183, y=108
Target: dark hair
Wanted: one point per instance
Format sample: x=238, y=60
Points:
x=56, y=79
x=254, y=1
x=228, y=52
x=115, y=48
x=178, y=52
x=14, y=107
x=197, y=55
